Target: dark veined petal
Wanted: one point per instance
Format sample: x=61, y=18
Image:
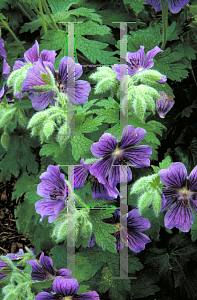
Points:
x=6, y=69
x=149, y=63
x=32, y=54
x=65, y=287
x=45, y=207
x=79, y=91
x=47, y=296
x=46, y=263
x=136, y=59
x=69, y=70
x=131, y=136
x=179, y=216
x=90, y=295
x=42, y=99
x=105, y=146
x=192, y=181
x=37, y=272
x=48, y=55
x=175, y=176
x=168, y=197
x=120, y=173
x=137, y=241
x=64, y=273
x=51, y=179
x=101, y=168
x=138, y=157
x=78, y=176
x=136, y=222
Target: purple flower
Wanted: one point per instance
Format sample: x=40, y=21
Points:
x=66, y=288
x=32, y=55
x=92, y=241
x=12, y=256
x=45, y=270
x=180, y=196
x=99, y=191
x=174, y=6
x=164, y=104
x=132, y=236
x=137, y=63
x=5, y=89
x=65, y=80
x=53, y=187
x=2, y=50
x=120, y=153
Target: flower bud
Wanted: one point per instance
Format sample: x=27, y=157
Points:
x=62, y=136
x=48, y=128
x=144, y=201
x=156, y=202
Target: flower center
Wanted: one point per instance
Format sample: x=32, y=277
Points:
x=58, y=82
x=56, y=194
x=117, y=153
x=184, y=195
x=117, y=226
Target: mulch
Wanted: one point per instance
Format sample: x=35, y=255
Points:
x=10, y=240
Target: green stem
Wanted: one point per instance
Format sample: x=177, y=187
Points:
x=185, y=12
x=165, y=22
x=12, y=33
x=37, y=11
x=24, y=11
x=49, y=14
x=42, y=16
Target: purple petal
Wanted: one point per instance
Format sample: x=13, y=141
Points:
x=46, y=263
x=149, y=63
x=176, y=5
x=2, y=50
x=179, y=217
x=90, y=295
x=69, y=70
x=136, y=222
x=78, y=92
x=65, y=287
x=193, y=201
x=168, y=197
x=78, y=176
x=37, y=273
x=45, y=207
x=42, y=100
x=33, y=77
x=121, y=173
x=2, y=275
x=51, y=179
x=47, y=296
x=192, y=181
x=101, y=168
x=48, y=55
x=32, y=54
x=138, y=156
x=3, y=264
x=19, y=64
x=6, y=69
x=122, y=70
x=100, y=191
x=164, y=104
x=92, y=240
x=131, y=136
x=137, y=241
x=114, y=219
x=175, y=176
x=155, y=3
x=64, y=273
x=136, y=59
x=105, y=146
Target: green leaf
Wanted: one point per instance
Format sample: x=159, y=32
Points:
x=18, y=157
x=102, y=230
x=61, y=5
x=50, y=148
x=22, y=185
x=165, y=163
x=136, y=5
x=193, y=231
x=80, y=146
